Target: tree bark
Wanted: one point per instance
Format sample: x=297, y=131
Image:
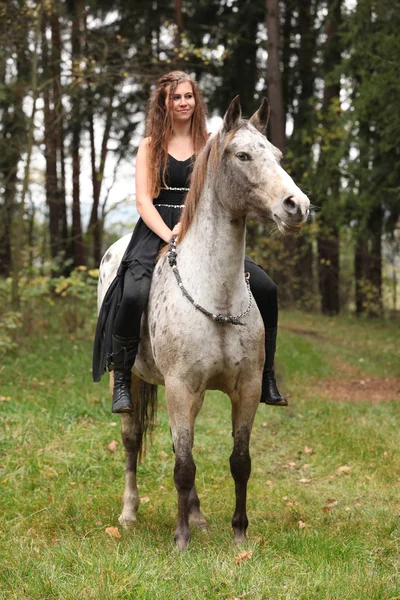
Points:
x=275, y=95
x=19, y=224
x=56, y=213
x=78, y=247
x=13, y=132
x=328, y=173
x=95, y=223
x=56, y=52
x=179, y=24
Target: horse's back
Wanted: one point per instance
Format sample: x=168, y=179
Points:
x=109, y=266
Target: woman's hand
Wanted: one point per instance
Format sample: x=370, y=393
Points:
x=176, y=230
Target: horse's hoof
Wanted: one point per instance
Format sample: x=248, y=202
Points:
x=127, y=522
x=240, y=538
x=181, y=544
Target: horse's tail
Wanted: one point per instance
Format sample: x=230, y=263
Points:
x=146, y=411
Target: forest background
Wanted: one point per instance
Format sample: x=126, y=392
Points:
x=75, y=77
x=323, y=501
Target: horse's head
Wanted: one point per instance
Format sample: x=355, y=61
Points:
x=250, y=180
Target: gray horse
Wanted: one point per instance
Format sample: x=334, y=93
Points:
x=189, y=341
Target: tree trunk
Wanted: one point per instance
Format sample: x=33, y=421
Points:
x=179, y=24
x=275, y=95
x=95, y=223
x=78, y=247
x=328, y=172
x=56, y=216
x=13, y=133
x=56, y=52
x=360, y=269
x=374, y=271
x=19, y=224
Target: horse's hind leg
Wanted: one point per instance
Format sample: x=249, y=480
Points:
x=132, y=435
x=244, y=406
x=183, y=407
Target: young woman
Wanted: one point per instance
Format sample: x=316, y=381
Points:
x=175, y=134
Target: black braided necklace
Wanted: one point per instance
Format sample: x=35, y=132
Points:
x=217, y=318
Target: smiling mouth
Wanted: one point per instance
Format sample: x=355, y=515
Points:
x=286, y=227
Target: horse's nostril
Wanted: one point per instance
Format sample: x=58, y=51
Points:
x=290, y=205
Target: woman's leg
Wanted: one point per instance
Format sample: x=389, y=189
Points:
x=126, y=336
x=265, y=294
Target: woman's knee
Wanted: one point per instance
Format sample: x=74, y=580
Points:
x=261, y=283
x=136, y=293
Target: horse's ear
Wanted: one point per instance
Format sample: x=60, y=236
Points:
x=232, y=115
x=261, y=117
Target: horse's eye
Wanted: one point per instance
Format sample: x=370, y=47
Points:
x=243, y=156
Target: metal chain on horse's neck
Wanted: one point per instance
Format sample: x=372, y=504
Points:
x=218, y=318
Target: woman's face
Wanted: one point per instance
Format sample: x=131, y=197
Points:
x=181, y=102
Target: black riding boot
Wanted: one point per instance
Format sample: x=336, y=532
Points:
x=270, y=393
x=121, y=361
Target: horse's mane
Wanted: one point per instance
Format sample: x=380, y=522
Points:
x=209, y=155
x=197, y=179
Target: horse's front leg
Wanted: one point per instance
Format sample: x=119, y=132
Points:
x=183, y=407
x=132, y=436
x=196, y=517
x=244, y=405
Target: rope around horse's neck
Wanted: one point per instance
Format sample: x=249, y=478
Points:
x=217, y=318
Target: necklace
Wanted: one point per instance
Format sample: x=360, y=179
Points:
x=218, y=318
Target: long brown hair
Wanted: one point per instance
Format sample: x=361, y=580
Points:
x=159, y=125
x=210, y=156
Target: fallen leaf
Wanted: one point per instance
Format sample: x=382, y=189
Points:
x=292, y=464
x=264, y=424
x=5, y=399
x=308, y=450
x=112, y=446
x=344, y=469
x=305, y=480
x=145, y=499
x=113, y=532
x=243, y=556
x=301, y=524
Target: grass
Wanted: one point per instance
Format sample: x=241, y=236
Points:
x=323, y=500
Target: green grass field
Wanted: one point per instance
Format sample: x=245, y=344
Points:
x=323, y=500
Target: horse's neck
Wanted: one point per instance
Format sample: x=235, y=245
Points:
x=211, y=256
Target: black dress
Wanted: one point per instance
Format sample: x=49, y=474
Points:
x=140, y=256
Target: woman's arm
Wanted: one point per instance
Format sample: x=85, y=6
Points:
x=144, y=200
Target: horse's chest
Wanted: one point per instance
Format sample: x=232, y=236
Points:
x=187, y=342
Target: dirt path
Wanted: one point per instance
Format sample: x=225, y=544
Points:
x=368, y=389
